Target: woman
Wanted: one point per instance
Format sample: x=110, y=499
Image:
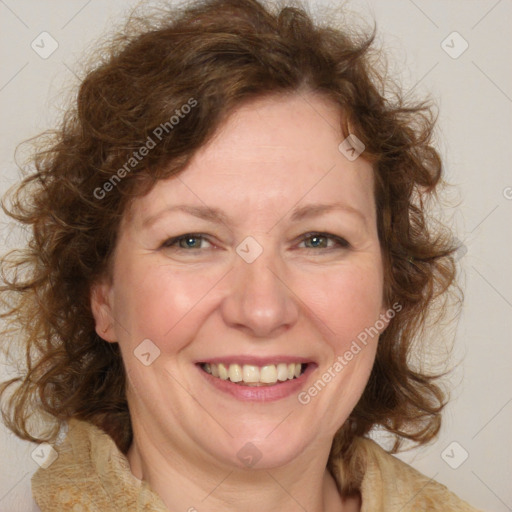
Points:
x=230, y=260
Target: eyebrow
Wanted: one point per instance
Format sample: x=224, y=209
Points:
x=216, y=215
x=314, y=210
x=202, y=212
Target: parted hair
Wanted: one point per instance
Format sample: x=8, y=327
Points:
x=213, y=56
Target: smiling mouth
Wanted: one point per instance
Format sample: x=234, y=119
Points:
x=251, y=375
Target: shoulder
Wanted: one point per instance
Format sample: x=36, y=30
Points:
x=90, y=471
x=389, y=484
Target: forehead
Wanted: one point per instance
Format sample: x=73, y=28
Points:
x=269, y=154
x=286, y=128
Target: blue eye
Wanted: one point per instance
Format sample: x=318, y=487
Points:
x=191, y=241
x=188, y=241
x=323, y=241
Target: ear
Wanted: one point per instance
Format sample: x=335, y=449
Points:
x=101, y=306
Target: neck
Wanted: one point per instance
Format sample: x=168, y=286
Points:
x=185, y=481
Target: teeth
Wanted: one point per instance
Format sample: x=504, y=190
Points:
x=254, y=375
x=223, y=372
x=282, y=372
x=268, y=374
x=250, y=373
x=235, y=373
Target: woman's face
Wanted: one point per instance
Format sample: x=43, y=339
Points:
x=262, y=255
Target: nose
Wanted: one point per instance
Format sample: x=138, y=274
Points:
x=258, y=300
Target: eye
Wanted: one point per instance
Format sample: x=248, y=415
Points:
x=324, y=241
x=187, y=242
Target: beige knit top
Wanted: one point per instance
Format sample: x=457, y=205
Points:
x=91, y=474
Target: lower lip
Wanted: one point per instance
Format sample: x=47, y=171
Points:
x=260, y=393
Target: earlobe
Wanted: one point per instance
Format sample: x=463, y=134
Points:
x=101, y=308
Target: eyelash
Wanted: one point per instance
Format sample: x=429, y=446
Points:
x=341, y=242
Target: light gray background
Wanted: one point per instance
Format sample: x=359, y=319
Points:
x=474, y=93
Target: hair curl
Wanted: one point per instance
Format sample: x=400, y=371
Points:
x=222, y=53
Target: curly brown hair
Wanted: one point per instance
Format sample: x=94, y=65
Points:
x=220, y=53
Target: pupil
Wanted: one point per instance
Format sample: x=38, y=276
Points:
x=191, y=242
x=316, y=241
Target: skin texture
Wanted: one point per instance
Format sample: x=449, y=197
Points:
x=271, y=157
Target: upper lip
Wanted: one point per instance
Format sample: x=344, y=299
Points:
x=256, y=360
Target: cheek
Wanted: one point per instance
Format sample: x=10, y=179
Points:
x=346, y=301
x=346, y=304
x=157, y=301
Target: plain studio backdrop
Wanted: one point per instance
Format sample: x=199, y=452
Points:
x=458, y=52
